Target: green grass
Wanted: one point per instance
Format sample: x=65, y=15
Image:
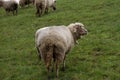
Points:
x=97, y=57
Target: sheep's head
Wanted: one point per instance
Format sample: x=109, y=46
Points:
x=77, y=30
x=54, y=5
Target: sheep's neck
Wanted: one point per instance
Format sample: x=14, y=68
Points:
x=74, y=37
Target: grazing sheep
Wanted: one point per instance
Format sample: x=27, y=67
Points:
x=23, y=3
x=53, y=43
x=9, y=6
x=43, y=5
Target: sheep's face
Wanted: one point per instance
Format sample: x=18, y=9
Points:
x=79, y=30
x=54, y=5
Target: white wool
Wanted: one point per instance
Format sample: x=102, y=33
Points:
x=61, y=31
x=73, y=24
x=13, y=0
x=6, y=0
x=17, y=1
x=50, y=2
x=38, y=32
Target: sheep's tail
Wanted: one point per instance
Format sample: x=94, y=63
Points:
x=47, y=52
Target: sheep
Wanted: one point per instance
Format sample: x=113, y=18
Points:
x=54, y=42
x=22, y=3
x=9, y=6
x=43, y=6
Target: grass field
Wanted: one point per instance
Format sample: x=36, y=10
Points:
x=97, y=57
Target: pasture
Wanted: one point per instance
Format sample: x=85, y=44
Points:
x=96, y=57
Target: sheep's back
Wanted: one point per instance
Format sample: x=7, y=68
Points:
x=58, y=35
x=9, y=4
x=39, y=1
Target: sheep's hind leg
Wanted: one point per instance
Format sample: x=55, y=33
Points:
x=39, y=54
x=48, y=68
x=57, y=69
x=63, y=67
x=53, y=65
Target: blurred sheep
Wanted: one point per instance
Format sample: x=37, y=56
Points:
x=10, y=5
x=43, y=6
x=23, y=3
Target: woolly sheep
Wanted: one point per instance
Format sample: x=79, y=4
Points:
x=9, y=6
x=54, y=42
x=43, y=5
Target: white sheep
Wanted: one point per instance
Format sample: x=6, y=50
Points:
x=10, y=5
x=54, y=42
x=43, y=6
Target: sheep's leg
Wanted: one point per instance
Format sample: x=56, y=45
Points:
x=16, y=11
x=53, y=65
x=38, y=12
x=57, y=69
x=39, y=56
x=46, y=10
x=41, y=11
x=28, y=4
x=7, y=12
x=63, y=67
x=13, y=12
x=48, y=68
x=48, y=65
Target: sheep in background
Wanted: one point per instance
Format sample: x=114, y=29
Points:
x=43, y=6
x=9, y=6
x=53, y=43
x=23, y=3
